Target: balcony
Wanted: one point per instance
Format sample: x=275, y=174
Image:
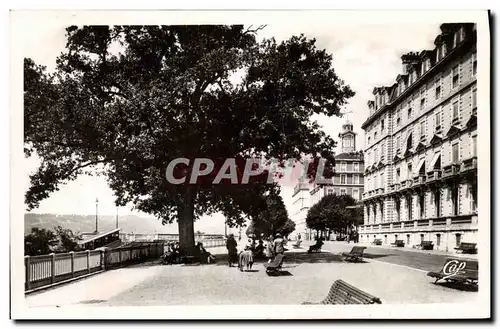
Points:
x=469, y=164
x=396, y=225
x=385, y=226
x=379, y=191
x=433, y=175
x=419, y=180
x=450, y=170
x=439, y=222
x=422, y=222
x=406, y=183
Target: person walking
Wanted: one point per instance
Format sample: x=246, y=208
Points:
x=269, y=251
x=279, y=244
x=232, y=250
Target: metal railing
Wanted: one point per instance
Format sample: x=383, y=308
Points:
x=47, y=270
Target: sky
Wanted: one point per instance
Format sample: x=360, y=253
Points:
x=364, y=56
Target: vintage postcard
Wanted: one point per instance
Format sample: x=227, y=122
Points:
x=250, y=165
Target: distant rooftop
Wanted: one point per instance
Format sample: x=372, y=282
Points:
x=98, y=236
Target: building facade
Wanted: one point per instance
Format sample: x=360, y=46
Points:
x=421, y=151
x=349, y=167
x=300, y=207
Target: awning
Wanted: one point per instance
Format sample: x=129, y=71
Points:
x=421, y=164
x=434, y=161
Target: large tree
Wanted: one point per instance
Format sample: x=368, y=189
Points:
x=272, y=219
x=39, y=242
x=129, y=99
x=334, y=213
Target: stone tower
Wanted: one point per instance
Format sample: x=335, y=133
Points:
x=348, y=138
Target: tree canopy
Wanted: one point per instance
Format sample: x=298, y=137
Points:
x=176, y=92
x=272, y=220
x=331, y=213
x=42, y=241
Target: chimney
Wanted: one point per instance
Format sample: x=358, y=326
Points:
x=409, y=59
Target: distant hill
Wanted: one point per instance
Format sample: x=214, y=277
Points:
x=82, y=223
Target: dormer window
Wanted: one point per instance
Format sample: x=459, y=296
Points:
x=458, y=37
x=474, y=64
x=443, y=49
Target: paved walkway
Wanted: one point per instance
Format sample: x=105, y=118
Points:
x=393, y=276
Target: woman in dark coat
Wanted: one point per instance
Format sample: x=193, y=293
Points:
x=232, y=250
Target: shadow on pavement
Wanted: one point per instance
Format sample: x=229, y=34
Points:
x=280, y=273
x=458, y=286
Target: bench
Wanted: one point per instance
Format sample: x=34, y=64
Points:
x=467, y=248
x=398, y=243
x=274, y=267
x=426, y=245
x=343, y=293
x=355, y=255
x=457, y=270
x=377, y=242
x=315, y=247
x=297, y=244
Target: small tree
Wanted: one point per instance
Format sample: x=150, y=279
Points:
x=39, y=242
x=272, y=219
x=331, y=213
x=68, y=241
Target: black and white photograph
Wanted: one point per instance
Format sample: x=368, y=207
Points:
x=250, y=165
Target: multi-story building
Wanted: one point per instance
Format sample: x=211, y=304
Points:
x=349, y=168
x=300, y=207
x=421, y=152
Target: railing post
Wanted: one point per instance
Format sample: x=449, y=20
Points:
x=72, y=254
x=103, y=259
x=53, y=268
x=88, y=261
x=27, y=268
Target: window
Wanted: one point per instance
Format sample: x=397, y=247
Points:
x=382, y=127
x=410, y=207
x=438, y=89
x=455, y=110
x=474, y=145
x=443, y=49
x=422, y=130
x=409, y=113
x=398, y=175
x=454, y=153
x=437, y=203
x=458, y=239
x=474, y=64
x=409, y=171
x=438, y=239
x=422, y=206
x=381, y=179
x=382, y=148
x=407, y=239
x=375, y=154
x=421, y=238
x=375, y=136
x=356, y=166
x=355, y=179
x=343, y=166
x=369, y=140
x=398, y=117
x=474, y=98
x=343, y=179
x=398, y=144
x=438, y=121
x=409, y=141
x=455, y=77
x=355, y=194
x=329, y=191
x=342, y=191
x=397, y=208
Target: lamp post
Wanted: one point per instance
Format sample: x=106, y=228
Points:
x=96, y=221
x=116, y=217
x=225, y=228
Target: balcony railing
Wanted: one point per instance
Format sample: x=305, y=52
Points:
x=406, y=184
x=461, y=220
x=396, y=225
x=434, y=175
x=419, y=180
x=469, y=164
x=450, y=170
x=439, y=222
x=423, y=222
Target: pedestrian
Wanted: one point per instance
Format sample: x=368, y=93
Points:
x=279, y=244
x=232, y=250
x=269, y=251
x=299, y=237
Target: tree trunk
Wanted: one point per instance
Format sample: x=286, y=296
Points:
x=186, y=225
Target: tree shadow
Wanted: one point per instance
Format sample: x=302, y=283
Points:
x=458, y=286
x=280, y=273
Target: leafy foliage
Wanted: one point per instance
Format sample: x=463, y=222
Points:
x=273, y=219
x=170, y=92
x=330, y=213
x=39, y=242
x=42, y=241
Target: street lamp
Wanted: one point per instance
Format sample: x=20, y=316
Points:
x=96, y=208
